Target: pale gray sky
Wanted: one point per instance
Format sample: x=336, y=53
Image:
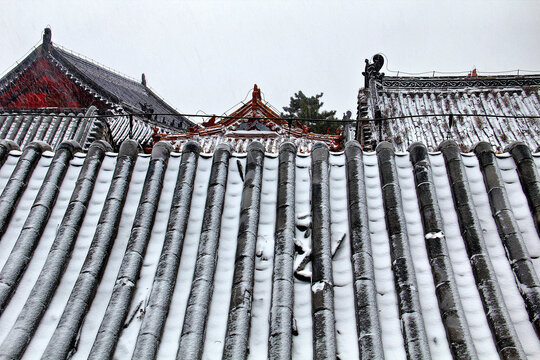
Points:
x=206, y=55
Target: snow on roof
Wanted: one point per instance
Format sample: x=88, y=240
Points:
x=496, y=109
x=333, y=254
x=137, y=96
x=54, y=126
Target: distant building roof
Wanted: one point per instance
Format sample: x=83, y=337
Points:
x=253, y=121
x=483, y=108
x=54, y=128
x=334, y=255
x=55, y=80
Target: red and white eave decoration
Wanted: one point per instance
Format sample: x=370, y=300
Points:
x=253, y=121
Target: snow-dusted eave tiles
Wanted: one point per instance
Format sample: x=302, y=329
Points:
x=359, y=254
x=56, y=126
x=240, y=141
x=52, y=126
x=417, y=108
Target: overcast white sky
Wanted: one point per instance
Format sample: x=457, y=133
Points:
x=206, y=55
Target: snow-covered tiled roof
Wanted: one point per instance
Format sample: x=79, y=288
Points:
x=496, y=109
x=49, y=127
x=132, y=95
x=54, y=127
x=346, y=254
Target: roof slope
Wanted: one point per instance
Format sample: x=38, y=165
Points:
x=496, y=109
x=380, y=253
x=136, y=96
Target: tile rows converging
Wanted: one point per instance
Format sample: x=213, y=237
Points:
x=330, y=255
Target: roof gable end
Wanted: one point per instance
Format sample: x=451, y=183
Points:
x=43, y=85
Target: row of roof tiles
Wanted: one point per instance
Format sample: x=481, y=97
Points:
x=471, y=125
x=54, y=128
x=347, y=254
x=496, y=109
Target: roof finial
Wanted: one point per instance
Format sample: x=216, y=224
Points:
x=47, y=35
x=372, y=70
x=256, y=92
x=143, y=79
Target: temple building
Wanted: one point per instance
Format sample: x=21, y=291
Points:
x=403, y=110
x=254, y=121
x=54, y=95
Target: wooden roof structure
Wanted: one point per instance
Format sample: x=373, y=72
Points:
x=253, y=121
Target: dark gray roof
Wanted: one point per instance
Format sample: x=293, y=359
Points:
x=128, y=93
x=352, y=254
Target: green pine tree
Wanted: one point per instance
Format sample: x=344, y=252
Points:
x=304, y=107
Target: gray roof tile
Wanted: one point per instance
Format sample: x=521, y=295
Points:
x=186, y=255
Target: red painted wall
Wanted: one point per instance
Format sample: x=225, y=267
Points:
x=43, y=85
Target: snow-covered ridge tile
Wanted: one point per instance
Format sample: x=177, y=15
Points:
x=346, y=334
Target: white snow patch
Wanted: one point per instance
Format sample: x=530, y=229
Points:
x=264, y=262
x=505, y=276
x=435, y=331
x=175, y=318
x=434, y=235
x=384, y=277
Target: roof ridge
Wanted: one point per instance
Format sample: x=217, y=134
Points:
x=483, y=76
